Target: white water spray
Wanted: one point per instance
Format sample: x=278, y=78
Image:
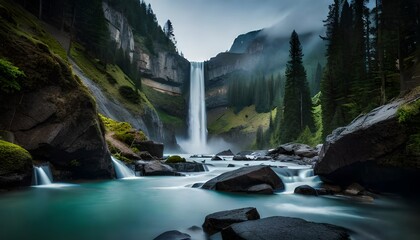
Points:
x=42, y=175
x=197, y=110
x=121, y=170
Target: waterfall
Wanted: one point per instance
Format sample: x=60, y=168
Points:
x=42, y=175
x=121, y=170
x=197, y=108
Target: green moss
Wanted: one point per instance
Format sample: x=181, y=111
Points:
x=170, y=121
x=408, y=111
x=175, y=159
x=123, y=131
x=74, y=163
x=9, y=77
x=13, y=158
x=122, y=158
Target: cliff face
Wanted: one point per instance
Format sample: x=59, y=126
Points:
x=164, y=67
x=256, y=51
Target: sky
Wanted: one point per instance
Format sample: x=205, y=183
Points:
x=204, y=28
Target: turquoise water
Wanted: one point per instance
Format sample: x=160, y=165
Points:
x=143, y=208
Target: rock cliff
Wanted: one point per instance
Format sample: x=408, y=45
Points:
x=379, y=150
x=52, y=115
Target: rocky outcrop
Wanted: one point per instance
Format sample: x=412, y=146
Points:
x=52, y=116
x=284, y=228
x=225, y=153
x=375, y=149
x=155, y=168
x=255, y=179
x=217, y=221
x=155, y=149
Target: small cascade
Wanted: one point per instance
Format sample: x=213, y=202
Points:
x=42, y=175
x=293, y=178
x=121, y=170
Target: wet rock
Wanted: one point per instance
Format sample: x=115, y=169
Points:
x=226, y=153
x=306, y=190
x=263, y=158
x=287, y=158
x=155, y=168
x=195, y=228
x=197, y=185
x=242, y=158
x=297, y=149
x=354, y=189
x=188, y=167
x=323, y=191
x=215, y=222
x=231, y=165
x=173, y=235
x=216, y=158
x=332, y=188
x=255, y=179
x=284, y=228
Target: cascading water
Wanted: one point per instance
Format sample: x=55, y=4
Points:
x=121, y=170
x=42, y=175
x=197, y=109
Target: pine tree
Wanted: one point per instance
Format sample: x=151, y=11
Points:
x=297, y=100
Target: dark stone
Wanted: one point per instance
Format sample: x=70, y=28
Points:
x=216, y=158
x=215, y=222
x=195, y=228
x=371, y=151
x=263, y=158
x=306, y=190
x=197, y=185
x=241, y=158
x=226, y=153
x=297, y=149
x=173, y=235
x=155, y=168
x=323, y=191
x=146, y=156
x=255, y=179
x=284, y=228
x=231, y=165
x=155, y=149
x=354, y=189
x=188, y=167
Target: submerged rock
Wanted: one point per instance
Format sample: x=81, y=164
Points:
x=373, y=151
x=217, y=221
x=242, y=158
x=306, y=190
x=216, y=158
x=284, y=228
x=173, y=235
x=188, y=167
x=255, y=179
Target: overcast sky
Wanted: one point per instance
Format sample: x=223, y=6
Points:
x=203, y=28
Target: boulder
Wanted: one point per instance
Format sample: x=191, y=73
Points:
x=241, y=158
x=284, y=228
x=188, y=167
x=306, y=190
x=231, y=165
x=173, y=235
x=216, y=158
x=155, y=168
x=374, y=150
x=217, y=221
x=154, y=148
x=15, y=166
x=255, y=179
x=301, y=150
x=354, y=189
x=225, y=153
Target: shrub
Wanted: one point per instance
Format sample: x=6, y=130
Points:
x=9, y=75
x=175, y=159
x=407, y=111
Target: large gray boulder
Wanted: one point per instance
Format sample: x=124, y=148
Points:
x=283, y=228
x=255, y=179
x=217, y=221
x=155, y=168
x=373, y=151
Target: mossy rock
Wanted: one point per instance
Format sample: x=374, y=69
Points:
x=123, y=131
x=175, y=159
x=13, y=158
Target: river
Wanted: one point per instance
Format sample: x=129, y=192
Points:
x=144, y=207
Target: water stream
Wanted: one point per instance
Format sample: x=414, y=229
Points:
x=143, y=208
x=121, y=170
x=42, y=175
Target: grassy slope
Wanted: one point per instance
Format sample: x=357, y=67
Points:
x=100, y=75
x=171, y=105
x=32, y=29
x=248, y=118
